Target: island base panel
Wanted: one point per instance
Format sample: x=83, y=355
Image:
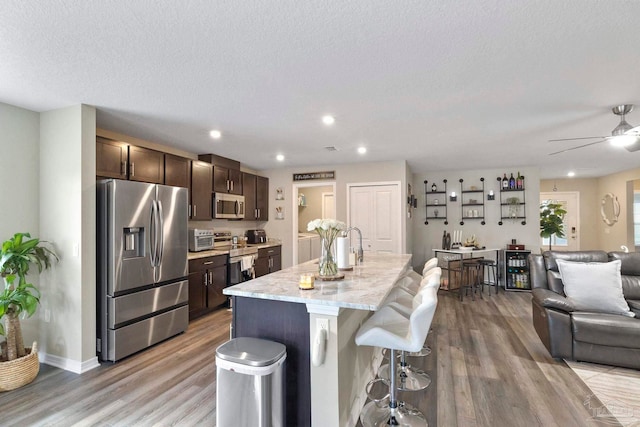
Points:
x=288, y=324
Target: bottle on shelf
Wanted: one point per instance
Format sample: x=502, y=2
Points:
x=519, y=181
x=505, y=182
x=512, y=182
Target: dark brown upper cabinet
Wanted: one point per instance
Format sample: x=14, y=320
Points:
x=111, y=158
x=256, y=197
x=177, y=171
x=146, y=165
x=227, y=177
x=201, y=180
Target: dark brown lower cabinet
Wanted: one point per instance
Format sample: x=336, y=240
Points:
x=269, y=260
x=207, y=279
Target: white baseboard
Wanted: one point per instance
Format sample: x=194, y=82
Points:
x=68, y=364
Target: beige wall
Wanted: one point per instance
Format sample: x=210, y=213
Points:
x=345, y=174
x=67, y=217
x=491, y=235
x=19, y=201
x=595, y=233
x=589, y=206
x=621, y=233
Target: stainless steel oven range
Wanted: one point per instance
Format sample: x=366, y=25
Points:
x=241, y=261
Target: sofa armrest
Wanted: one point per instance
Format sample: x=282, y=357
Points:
x=550, y=299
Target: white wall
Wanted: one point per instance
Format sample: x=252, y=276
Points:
x=429, y=237
x=345, y=174
x=19, y=201
x=67, y=218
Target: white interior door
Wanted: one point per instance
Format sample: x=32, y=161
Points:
x=570, y=200
x=328, y=205
x=376, y=210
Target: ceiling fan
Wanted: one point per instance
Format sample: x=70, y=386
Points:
x=624, y=135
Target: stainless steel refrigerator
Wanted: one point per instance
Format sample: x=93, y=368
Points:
x=142, y=266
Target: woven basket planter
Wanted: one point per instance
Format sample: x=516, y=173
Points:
x=19, y=372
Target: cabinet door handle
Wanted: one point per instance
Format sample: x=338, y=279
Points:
x=208, y=263
x=231, y=185
x=195, y=211
x=189, y=211
x=123, y=168
x=206, y=279
x=132, y=168
x=211, y=277
x=228, y=185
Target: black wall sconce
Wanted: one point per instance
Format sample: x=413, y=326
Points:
x=453, y=196
x=491, y=196
x=412, y=201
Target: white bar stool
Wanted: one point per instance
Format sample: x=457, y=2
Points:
x=411, y=379
x=413, y=286
x=389, y=328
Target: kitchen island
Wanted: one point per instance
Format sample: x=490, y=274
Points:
x=273, y=307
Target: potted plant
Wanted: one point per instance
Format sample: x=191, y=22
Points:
x=551, y=220
x=19, y=298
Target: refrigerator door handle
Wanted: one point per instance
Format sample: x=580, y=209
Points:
x=153, y=235
x=160, y=217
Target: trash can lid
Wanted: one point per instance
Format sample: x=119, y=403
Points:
x=251, y=351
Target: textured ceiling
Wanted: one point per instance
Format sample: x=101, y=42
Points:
x=443, y=84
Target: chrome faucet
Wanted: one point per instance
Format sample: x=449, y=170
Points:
x=360, y=251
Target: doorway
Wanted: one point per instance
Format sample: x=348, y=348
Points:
x=375, y=208
x=311, y=200
x=570, y=201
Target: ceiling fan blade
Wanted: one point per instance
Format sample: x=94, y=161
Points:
x=575, y=139
x=575, y=148
x=633, y=131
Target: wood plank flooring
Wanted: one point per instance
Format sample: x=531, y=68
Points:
x=489, y=369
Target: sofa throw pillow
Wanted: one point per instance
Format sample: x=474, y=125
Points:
x=594, y=286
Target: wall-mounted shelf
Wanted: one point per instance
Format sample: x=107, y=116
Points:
x=435, y=201
x=512, y=203
x=472, y=198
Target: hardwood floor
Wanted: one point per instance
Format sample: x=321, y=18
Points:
x=488, y=366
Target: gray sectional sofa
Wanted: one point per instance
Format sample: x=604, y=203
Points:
x=590, y=336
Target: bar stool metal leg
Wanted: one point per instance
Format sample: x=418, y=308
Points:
x=409, y=377
x=397, y=414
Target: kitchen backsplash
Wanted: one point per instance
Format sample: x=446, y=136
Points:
x=237, y=228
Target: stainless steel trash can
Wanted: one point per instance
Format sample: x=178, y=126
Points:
x=250, y=383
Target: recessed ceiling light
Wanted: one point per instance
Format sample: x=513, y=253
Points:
x=280, y=157
x=215, y=134
x=328, y=120
x=362, y=150
x=570, y=174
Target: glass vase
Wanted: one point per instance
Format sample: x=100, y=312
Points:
x=327, y=266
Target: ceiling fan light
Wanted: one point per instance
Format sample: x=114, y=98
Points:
x=623, y=140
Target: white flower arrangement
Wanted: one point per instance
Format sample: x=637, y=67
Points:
x=328, y=230
x=326, y=226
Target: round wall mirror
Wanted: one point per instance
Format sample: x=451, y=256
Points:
x=610, y=209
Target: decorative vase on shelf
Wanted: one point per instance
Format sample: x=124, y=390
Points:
x=328, y=230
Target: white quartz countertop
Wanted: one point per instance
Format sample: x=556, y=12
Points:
x=363, y=288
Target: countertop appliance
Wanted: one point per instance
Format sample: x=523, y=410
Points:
x=142, y=266
x=256, y=236
x=200, y=239
x=228, y=206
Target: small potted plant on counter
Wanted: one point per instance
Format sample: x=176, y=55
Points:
x=19, y=365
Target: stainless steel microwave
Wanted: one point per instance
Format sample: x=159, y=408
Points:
x=228, y=206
